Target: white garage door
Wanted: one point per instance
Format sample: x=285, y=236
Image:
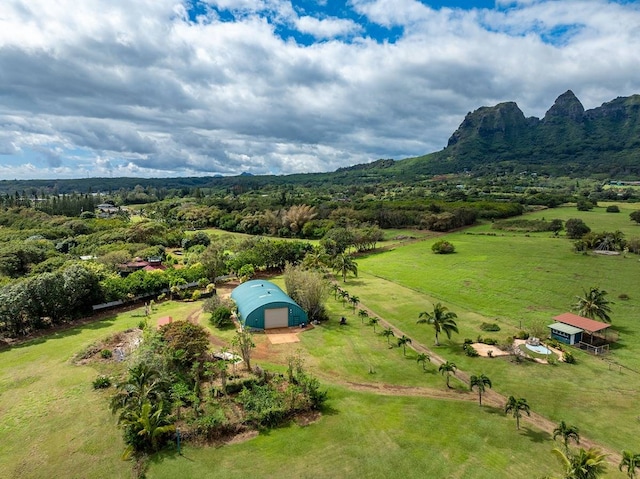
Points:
x=276, y=318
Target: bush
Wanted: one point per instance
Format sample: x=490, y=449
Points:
x=522, y=335
x=442, y=247
x=489, y=327
x=624, y=297
x=613, y=209
x=471, y=352
x=106, y=354
x=568, y=357
x=221, y=317
x=490, y=341
x=101, y=382
x=195, y=296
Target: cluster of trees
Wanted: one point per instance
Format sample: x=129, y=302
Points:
x=176, y=380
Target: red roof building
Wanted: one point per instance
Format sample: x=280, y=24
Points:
x=586, y=324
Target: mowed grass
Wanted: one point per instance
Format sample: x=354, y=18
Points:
x=52, y=422
x=514, y=280
x=364, y=435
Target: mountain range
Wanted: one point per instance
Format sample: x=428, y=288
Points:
x=569, y=140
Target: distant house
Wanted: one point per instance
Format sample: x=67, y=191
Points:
x=153, y=263
x=106, y=210
x=569, y=328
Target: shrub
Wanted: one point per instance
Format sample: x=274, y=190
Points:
x=443, y=247
x=471, y=352
x=522, y=335
x=101, y=382
x=613, y=209
x=221, y=317
x=195, y=296
x=568, y=357
x=106, y=353
x=489, y=327
x=624, y=297
x=576, y=228
x=490, y=341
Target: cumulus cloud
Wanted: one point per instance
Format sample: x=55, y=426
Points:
x=163, y=88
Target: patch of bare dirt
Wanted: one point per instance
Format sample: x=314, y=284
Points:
x=120, y=344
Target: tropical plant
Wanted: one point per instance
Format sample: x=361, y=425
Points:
x=582, y=464
x=344, y=265
x=373, y=321
x=594, y=305
x=354, y=300
x=516, y=407
x=566, y=432
x=144, y=384
x=630, y=461
x=447, y=369
x=362, y=314
x=424, y=359
x=149, y=424
x=481, y=383
x=442, y=320
x=388, y=333
x=243, y=340
x=403, y=341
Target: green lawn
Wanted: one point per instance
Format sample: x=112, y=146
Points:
x=53, y=424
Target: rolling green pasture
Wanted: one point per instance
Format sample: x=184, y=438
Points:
x=52, y=422
x=514, y=280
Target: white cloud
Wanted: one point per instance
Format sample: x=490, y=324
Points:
x=136, y=88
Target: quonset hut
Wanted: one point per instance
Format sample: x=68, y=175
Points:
x=263, y=305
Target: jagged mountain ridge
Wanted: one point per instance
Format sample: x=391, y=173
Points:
x=569, y=139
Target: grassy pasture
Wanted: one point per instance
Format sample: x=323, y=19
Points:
x=512, y=279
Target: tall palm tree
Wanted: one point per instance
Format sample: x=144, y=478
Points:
x=344, y=295
x=373, y=321
x=354, y=300
x=442, y=320
x=447, y=369
x=516, y=407
x=582, y=464
x=336, y=290
x=362, y=314
x=344, y=264
x=594, y=305
x=403, y=342
x=630, y=461
x=144, y=384
x=424, y=359
x=566, y=432
x=388, y=333
x=480, y=382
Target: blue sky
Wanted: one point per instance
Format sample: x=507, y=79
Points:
x=164, y=88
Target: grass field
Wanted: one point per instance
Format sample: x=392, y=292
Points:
x=53, y=424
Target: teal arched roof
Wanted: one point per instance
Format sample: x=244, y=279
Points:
x=254, y=296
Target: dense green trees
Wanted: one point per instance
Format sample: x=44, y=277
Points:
x=309, y=289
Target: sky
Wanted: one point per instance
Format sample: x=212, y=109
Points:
x=164, y=88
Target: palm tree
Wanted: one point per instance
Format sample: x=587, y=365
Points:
x=388, y=333
x=583, y=464
x=517, y=407
x=344, y=264
x=336, y=290
x=442, y=320
x=354, y=300
x=144, y=384
x=150, y=423
x=566, y=432
x=424, y=359
x=363, y=315
x=447, y=369
x=594, y=305
x=403, y=342
x=344, y=295
x=373, y=322
x=480, y=382
x=631, y=462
